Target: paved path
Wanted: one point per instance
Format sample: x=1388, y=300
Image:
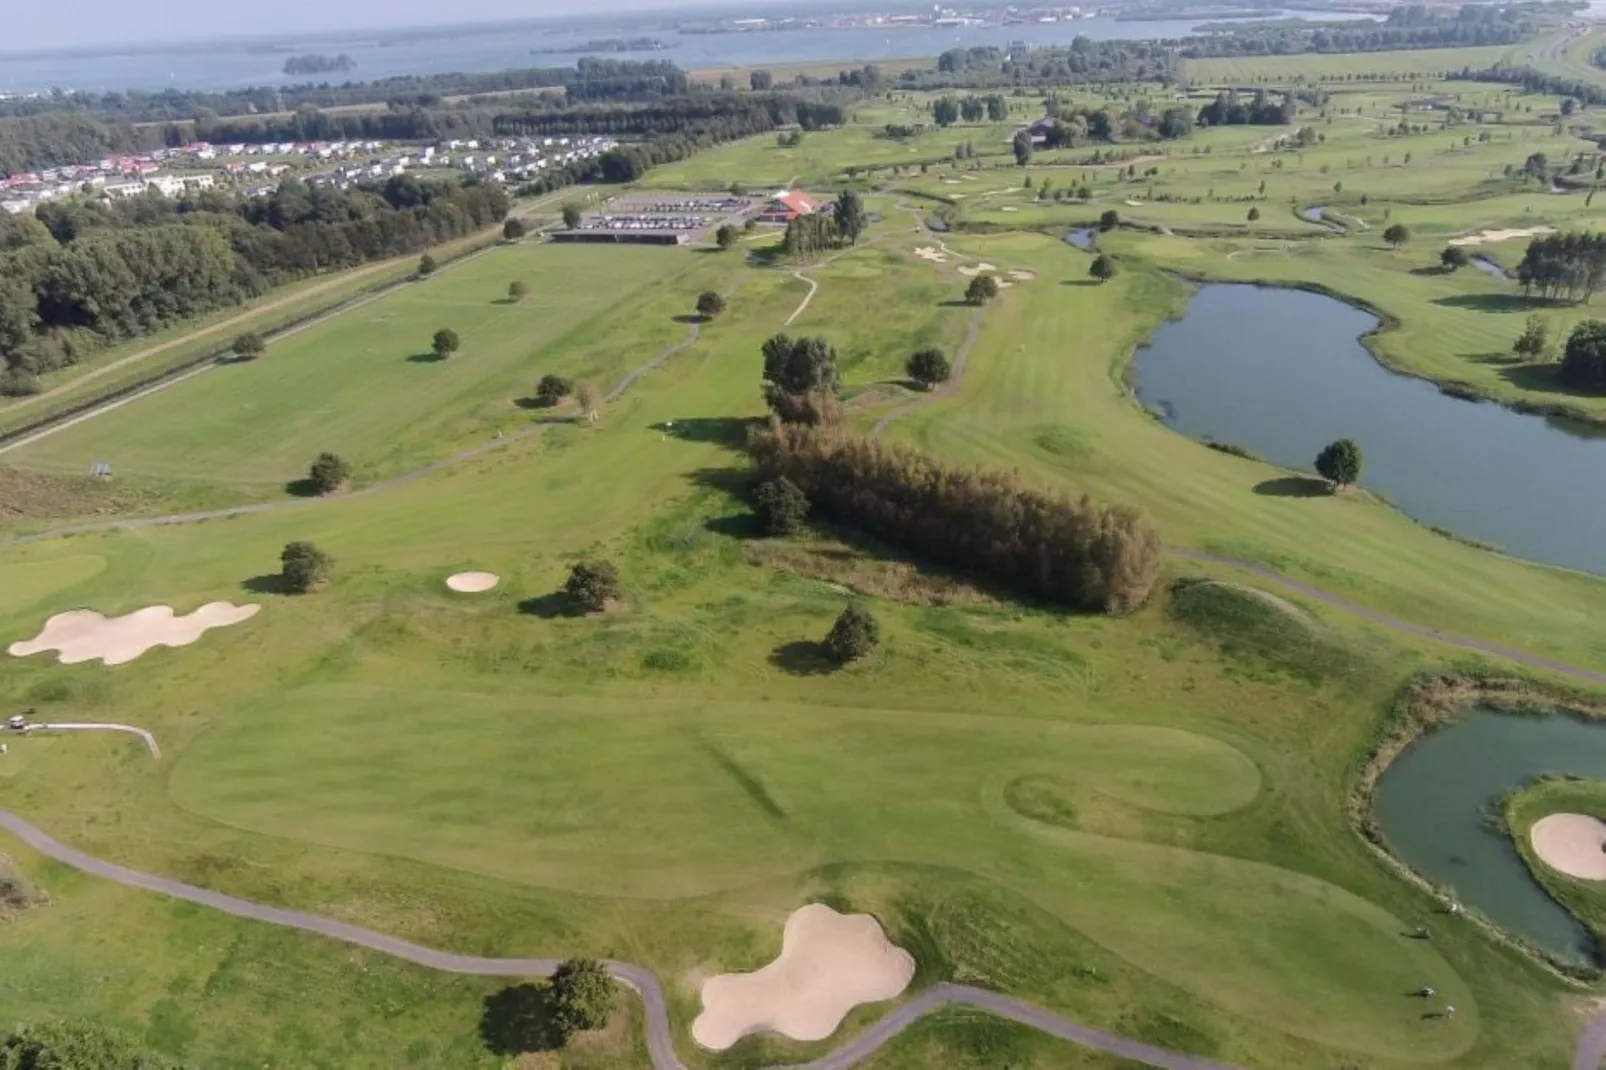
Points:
x=660, y=1036
x=814, y=288
x=150, y=740
x=1591, y=1046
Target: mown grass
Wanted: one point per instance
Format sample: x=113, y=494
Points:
x=1559, y=795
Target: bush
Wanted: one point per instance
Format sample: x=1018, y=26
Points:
x=726, y=236
x=514, y=229
x=584, y=996
x=571, y=217
x=426, y=266
x=1110, y=219
x=1340, y=462
x=445, y=342
x=929, y=367
x=593, y=584
x=304, y=567
x=1583, y=364
x=854, y=635
x=518, y=290
x=328, y=473
x=781, y=506
x=1103, y=268
x=989, y=522
x=1254, y=215
x=709, y=304
x=1397, y=235
x=1454, y=257
x=553, y=389
x=982, y=288
x=74, y=1045
x=248, y=346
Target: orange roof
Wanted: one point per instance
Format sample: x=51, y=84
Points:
x=797, y=201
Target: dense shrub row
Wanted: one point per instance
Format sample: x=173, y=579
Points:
x=1093, y=557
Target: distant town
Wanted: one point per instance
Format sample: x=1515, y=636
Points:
x=257, y=170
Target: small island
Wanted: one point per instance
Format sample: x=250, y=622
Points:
x=313, y=63
x=607, y=44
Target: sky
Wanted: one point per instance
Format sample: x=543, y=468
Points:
x=99, y=22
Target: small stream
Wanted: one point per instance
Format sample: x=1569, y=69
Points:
x=1435, y=803
x=1489, y=267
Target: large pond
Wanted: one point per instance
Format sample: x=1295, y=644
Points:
x=1283, y=372
x=1436, y=803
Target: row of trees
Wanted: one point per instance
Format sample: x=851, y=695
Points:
x=85, y=273
x=1228, y=109
x=945, y=111
x=1570, y=265
x=1075, y=551
x=816, y=232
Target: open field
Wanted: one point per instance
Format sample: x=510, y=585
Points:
x=1137, y=822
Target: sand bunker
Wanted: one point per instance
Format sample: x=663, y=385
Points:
x=1487, y=237
x=1010, y=208
x=1022, y=275
x=976, y=269
x=1574, y=844
x=84, y=635
x=950, y=181
x=472, y=582
x=1134, y=204
x=829, y=964
x=932, y=253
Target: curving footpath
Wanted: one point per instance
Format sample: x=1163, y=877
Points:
x=660, y=1036
x=150, y=740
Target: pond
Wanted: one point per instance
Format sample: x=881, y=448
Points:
x=1489, y=267
x=1283, y=372
x=1434, y=805
x=1082, y=239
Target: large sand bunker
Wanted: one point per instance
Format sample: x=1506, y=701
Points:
x=976, y=269
x=1486, y=237
x=84, y=635
x=932, y=253
x=1574, y=844
x=829, y=964
x=472, y=582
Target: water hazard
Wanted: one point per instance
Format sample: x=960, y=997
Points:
x=1283, y=372
x=1436, y=801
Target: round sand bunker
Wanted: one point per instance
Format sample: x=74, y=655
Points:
x=829, y=964
x=1574, y=844
x=472, y=582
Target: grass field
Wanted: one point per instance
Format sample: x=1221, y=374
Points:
x=1138, y=822
x=1522, y=808
x=1381, y=66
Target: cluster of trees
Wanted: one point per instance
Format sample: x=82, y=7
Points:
x=819, y=231
x=1293, y=39
x=1532, y=81
x=1228, y=109
x=1082, y=62
x=945, y=111
x=1074, y=126
x=313, y=63
x=85, y=272
x=801, y=381
x=1569, y=265
x=1583, y=364
x=1074, y=551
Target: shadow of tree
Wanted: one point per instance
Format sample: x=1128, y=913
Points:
x=1493, y=302
x=803, y=658
x=301, y=488
x=554, y=606
x=430, y=357
x=535, y=404
x=1539, y=379
x=269, y=583
x=729, y=431
x=518, y=1019
x=1293, y=487
x=690, y=318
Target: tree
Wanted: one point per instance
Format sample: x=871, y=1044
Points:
x=518, y=290
x=1397, y=234
x=1583, y=363
x=781, y=506
x=800, y=379
x=1102, y=268
x=726, y=236
x=1569, y=105
x=1022, y=144
x=590, y=399
x=1254, y=215
x=1110, y=219
x=928, y=367
x=592, y=585
x=552, y=389
x=854, y=635
x=514, y=229
x=1340, y=463
x=74, y=1045
x=584, y=996
x=945, y=111
x=709, y=304
x=760, y=80
x=850, y=217
x=1533, y=341
x=248, y=347
x=445, y=342
x=982, y=289
x=571, y=217
x=426, y=266
x=1454, y=257
x=328, y=473
x=304, y=568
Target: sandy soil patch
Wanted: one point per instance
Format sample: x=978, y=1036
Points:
x=1486, y=237
x=1134, y=204
x=950, y=181
x=973, y=270
x=1022, y=275
x=85, y=635
x=1574, y=844
x=472, y=582
x=829, y=964
x=956, y=196
x=932, y=253
x=1010, y=208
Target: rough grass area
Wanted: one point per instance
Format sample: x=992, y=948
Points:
x=1250, y=624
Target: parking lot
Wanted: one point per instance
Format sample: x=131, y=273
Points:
x=667, y=218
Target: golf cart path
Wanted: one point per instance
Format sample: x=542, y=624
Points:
x=660, y=1039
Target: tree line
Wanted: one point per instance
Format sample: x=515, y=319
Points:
x=1532, y=81
x=83, y=273
x=1564, y=266
x=1228, y=109
x=1092, y=557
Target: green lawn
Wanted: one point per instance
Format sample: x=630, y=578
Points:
x=1520, y=809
